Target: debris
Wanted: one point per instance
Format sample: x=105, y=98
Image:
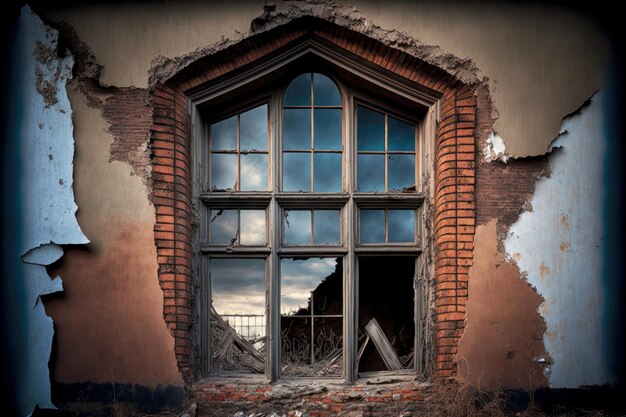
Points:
x=231, y=352
x=388, y=354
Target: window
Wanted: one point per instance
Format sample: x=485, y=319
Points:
x=310, y=229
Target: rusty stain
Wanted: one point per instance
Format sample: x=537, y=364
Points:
x=544, y=270
x=564, y=246
x=516, y=256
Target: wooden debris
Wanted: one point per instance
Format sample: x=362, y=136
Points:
x=387, y=353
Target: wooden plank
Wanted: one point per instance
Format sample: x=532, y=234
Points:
x=388, y=354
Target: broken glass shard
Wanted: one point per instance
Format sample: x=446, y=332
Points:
x=253, y=172
x=401, y=225
x=297, y=227
x=296, y=129
x=370, y=130
x=223, y=171
x=400, y=135
x=325, y=91
x=223, y=226
x=326, y=227
x=371, y=172
x=401, y=171
x=296, y=171
x=327, y=177
x=299, y=91
x=372, y=226
x=252, y=227
x=253, y=132
x=224, y=135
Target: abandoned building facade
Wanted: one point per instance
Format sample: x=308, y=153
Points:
x=308, y=205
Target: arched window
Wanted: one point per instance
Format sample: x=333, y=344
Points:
x=311, y=231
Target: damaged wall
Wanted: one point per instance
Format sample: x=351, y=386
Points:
x=559, y=242
x=110, y=324
x=44, y=198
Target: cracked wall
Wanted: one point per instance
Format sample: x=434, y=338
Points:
x=558, y=244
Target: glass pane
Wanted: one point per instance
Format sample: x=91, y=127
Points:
x=390, y=304
x=400, y=135
x=326, y=226
x=325, y=92
x=296, y=171
x=224, y=135
x=238, y=297
x=253, y=129
x=401, y=171
x=327, y=129
x=223, y=172
x=319, y=278
x=401, y=225
x=254, y=172
x=299, y=91
x=327, y=172
x=297, y=129
x=252, y=227
x=370, y=130
x=372, y=224
x=223, y=226
x=371, y=172
x=297, y=227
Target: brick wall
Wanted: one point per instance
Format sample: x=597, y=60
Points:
x=454, y=172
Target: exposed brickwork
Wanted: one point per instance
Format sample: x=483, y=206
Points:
x=318, y=400
x=128, y=112
x=455, y=176
x=171, y=178
x=454, y=221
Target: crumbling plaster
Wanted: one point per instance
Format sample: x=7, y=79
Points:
x=540, y=62
x=558, y=245
x=45, y=148
x=111, y=324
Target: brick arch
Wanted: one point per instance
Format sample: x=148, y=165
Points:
x=454, y=206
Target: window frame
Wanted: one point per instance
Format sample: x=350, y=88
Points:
x=275, y=201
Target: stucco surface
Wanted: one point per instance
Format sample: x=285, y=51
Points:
x=110, y=322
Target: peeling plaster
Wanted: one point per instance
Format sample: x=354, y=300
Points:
x=559, y=245
x=46, y=148
x=494, y=149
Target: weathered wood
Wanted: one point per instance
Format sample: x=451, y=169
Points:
x=387, y=353
x=358, y=357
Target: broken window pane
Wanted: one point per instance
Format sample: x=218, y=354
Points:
x=296, y=171
x=370, y=130
x=223, y=226
x=386, y=328
x=297, y=227
x=237, y=322
x=371, y=172
x=311, y=316
x=401, y=171
x=253, y=132
x=252, y=228
x=296, y=129
x=372, y=226
x=223, y=171
x=401, y=225
x=326, y=227
x=327, y=172
x=224, y=135
x=328, y=129
x=400, y=135
x=299, y=91
x=253, y=172
x=325, y=91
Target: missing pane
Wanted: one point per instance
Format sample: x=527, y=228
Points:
x=386, y=327
x=311, y=316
